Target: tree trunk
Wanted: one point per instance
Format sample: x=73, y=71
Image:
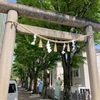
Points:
x=30, y=84
x=67, y=76
x=22, y=83
x=45, y=85
x=35, y=83
x=26, y=82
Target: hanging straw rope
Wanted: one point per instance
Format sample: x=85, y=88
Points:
x=44, y=38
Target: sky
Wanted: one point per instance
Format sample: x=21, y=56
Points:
x=14, y=1
x=97, y=47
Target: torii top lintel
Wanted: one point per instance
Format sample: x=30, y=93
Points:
x=34, y=13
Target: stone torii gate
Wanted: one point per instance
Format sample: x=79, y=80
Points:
x=15, y=10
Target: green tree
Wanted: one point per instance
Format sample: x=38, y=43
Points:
x=32, y=58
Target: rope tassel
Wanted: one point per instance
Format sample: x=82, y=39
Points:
x=68, y=47
x=40, y=44
x=55, y=47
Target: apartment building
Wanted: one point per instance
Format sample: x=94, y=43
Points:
x=2, y=27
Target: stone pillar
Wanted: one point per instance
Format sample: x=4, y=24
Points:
x=7, y=54
x=92, y=65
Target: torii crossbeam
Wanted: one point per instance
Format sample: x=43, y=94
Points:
x=13, y=10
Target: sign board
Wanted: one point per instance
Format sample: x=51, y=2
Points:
x=57, y=89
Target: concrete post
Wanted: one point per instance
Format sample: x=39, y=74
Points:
x=92, y=65
x=7, y=54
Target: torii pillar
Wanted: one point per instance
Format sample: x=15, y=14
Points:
x=92, y=65
x=7, y=54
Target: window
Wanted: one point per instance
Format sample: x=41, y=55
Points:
x=76, y=73
x=12, y=88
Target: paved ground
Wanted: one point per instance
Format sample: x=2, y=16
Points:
x=26, y=95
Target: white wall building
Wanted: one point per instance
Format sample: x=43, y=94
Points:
x=80, y=76
x=81, y=79
x=57, y=72
x=98, y=60
x=2, y=27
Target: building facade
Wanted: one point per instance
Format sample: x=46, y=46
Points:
x=80, y=76
x=2, y=27
x=98, y=60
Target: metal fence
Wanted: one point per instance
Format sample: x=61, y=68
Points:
x=84, y=94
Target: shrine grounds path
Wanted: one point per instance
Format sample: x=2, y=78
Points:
x=26, y=95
